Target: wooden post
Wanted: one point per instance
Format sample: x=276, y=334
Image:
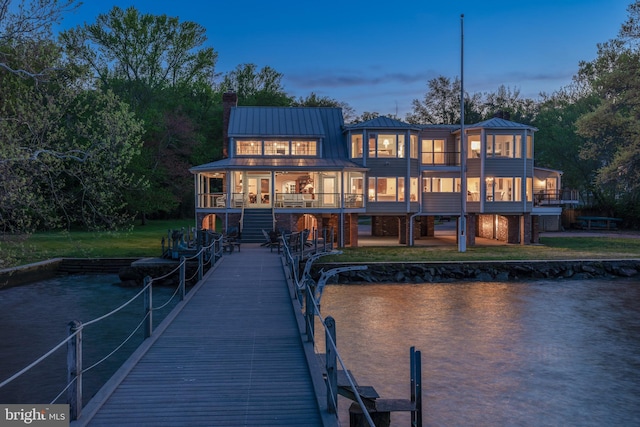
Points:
x=148, y=307
x=183, y=268
x=357, y=417
x=331, y=366
x=200, y=266
x=74, y=369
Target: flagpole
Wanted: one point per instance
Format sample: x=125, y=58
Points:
x=462, y=222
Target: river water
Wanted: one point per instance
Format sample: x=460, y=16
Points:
x=547, y=353
x=34, y=318
x=561, y=353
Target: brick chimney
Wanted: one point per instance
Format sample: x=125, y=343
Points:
x=502, y=114
x=229, y=100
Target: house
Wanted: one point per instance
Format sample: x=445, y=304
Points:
x=297, y=168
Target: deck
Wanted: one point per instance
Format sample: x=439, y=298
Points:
x=233, y=356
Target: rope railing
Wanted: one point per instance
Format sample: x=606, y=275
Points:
x=206, y=255
x=304, y=286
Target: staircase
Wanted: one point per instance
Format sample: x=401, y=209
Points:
x=256, y=220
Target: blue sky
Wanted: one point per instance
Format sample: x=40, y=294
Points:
x=379, y=56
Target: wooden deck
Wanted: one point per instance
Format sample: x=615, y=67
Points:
x=233, y=356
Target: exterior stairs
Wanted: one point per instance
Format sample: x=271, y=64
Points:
x=256, y=220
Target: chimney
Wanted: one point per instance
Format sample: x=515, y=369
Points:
x=502, y=114
x=229, y=100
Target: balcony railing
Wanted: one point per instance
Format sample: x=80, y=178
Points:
x=550, y=198
x=282, y=200
x=444, y=158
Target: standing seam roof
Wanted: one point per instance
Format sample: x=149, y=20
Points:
x=276, y=122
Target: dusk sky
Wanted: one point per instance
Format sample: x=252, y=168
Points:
x=379, y=56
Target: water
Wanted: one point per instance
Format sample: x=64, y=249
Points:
x=497, y=354
x=34, y=318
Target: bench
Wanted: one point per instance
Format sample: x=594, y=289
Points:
x=228, y=245
x=597, y=223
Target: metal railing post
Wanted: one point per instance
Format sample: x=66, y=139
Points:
x=74, y=369
x=183, y=268
x=308, y=313
x=200, y=266
x=324, y=240
x=418, y=374
x=148, y=307
x=331, y=366
x=412, y=375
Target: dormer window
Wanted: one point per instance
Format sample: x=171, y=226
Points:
x=276, y=147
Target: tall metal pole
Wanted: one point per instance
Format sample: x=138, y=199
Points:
x=462, y=222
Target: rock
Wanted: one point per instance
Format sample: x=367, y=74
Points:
x=502, y=276
x=627, y=272
x=484, y=277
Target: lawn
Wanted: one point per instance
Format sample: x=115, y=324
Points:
x=551, y=248
x=143, y=241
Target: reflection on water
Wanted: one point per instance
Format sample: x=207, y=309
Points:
x=497, y=354
x=34, y=318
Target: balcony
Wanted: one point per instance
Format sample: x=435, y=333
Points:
x=556, y=198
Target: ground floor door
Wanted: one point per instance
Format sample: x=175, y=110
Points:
x=259, y=190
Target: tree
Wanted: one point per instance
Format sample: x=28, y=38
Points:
x=24, y=25
x=313, y=100
x=63, y=149
x=557, y=144
x=161, y=68
x=509, y=101
x=441, y=104
x=611, y=130
x=253, y=87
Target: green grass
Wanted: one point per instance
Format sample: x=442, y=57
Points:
x=550, y=248
x=141, y=241
x=146, y=240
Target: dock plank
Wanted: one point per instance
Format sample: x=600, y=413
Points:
x=232, y=357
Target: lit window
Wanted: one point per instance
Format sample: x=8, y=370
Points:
x=356, y=146
x=303, y=148
x=387, y=146
x=473, y=147
x=414, y=146
x=387, y=189
x=276, y=148
x=441, y=185
x=502, y=189
x=248, y=148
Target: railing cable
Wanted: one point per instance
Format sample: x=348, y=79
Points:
x=36, y=362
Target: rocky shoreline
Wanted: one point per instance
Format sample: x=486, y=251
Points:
x=483, y=271
x=379, y=272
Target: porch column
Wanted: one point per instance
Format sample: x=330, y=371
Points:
x=403, y=229
x=351, y=230
x=535, y=229
x=427, y=226
x=472, y=223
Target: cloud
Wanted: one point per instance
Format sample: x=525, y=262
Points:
x=347, y=78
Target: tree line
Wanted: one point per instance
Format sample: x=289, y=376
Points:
x=99, y=124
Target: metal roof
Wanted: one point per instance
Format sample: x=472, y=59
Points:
x=278, y=163
x=383, y=122
x=276, y=122
x=497, y=123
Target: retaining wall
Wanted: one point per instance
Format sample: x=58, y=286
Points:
x=485, y=271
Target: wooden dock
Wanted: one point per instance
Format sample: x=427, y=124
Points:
x=231, y=355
